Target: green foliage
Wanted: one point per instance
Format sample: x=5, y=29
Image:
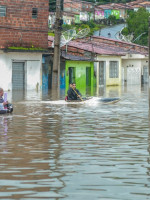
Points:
x=66, y=27
x=90, y=24
x=51, y=34
x=125, y=31
x=113, y=19
x=52, y=5
x=26, y=48
x=137, y=24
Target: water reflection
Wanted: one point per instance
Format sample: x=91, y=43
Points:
x=3, y=134
x=76, y=151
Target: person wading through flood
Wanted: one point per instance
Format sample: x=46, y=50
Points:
x=4, y=105
x=1, y=97
x=73, y=93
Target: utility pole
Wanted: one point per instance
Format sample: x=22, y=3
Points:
x=56, y=59
x=94, y=10
x=149, y=62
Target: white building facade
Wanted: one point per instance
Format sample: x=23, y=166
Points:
x=20, y=70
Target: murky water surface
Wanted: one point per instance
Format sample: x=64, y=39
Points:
x=53, y=150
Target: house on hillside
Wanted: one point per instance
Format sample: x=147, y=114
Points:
x=135, y=5
x=81, y=10
x=118, y=10
x=99, y=13
x=23, y=41
x=68, y=18
x=146, y=5
x=51, y=19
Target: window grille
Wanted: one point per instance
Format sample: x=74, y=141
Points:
x=34, y=13
x=113, y=69
x=2, y=11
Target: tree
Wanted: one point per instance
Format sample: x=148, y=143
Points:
x=52, y=5
x=137, y=24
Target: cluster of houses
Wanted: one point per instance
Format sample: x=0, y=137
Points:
x=26, y=54
x=100, y=61
x=75, y=12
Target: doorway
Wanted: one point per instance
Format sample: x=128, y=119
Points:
x=71, y=75
x=88, y=79
x=145, y=74
x=102, y=73
x=18, y=76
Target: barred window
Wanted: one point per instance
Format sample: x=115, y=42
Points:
x=2, y=11
x=34, y=13
x=113, y=69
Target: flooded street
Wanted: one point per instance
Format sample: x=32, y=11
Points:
x=55, y=150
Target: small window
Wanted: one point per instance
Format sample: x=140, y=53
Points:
x=2, y=11
x=113, y=69
x=34, y=13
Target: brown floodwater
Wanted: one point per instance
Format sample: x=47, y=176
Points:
x=50, y=149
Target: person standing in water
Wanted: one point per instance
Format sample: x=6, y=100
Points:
x=4, y=105
x=1, y=97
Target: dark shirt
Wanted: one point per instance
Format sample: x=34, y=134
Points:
x=1, y=100
x=72, y=94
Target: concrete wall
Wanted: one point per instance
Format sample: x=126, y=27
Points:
x=133, y=68
x=107, y=59
x=80, y=74
x=68, y=19
x=99, y=14
x=33, y=69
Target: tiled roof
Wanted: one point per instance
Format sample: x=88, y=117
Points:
x=105, y=7
x=105, y=46
x=98, y=49
x=124, y=46
x=68, y=56
x=113, y=6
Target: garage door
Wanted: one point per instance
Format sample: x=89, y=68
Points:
x=145, y=74
x=18, y=76
x=133, y=75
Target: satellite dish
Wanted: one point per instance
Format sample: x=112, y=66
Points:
x=66, y=37
x=82, y=33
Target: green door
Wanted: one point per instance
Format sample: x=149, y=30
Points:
x=82, y=73
x=88, y=80
x=81, y=79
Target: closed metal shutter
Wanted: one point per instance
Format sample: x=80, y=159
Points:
x=145, y=74
x=102, y=65
x=133, y=75
x=18, y=76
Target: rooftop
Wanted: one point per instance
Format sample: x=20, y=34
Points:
x=102, y=46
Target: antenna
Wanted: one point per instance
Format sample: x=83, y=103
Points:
x=82, y=33
x=66, y=37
